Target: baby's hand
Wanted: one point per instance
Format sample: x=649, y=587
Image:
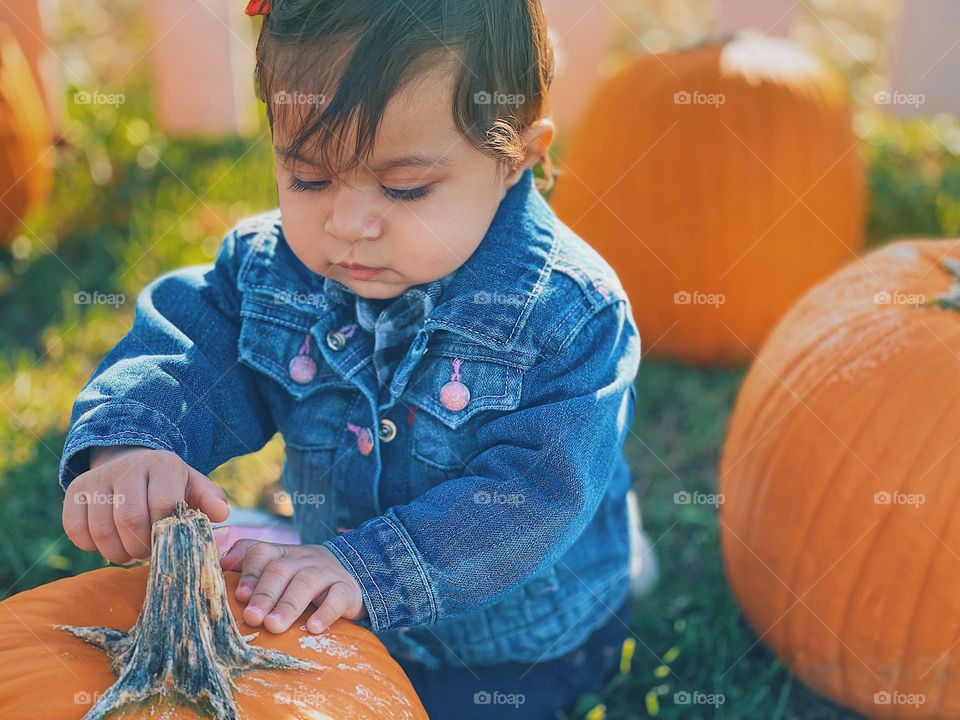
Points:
x=280, y=582
x=112, y=506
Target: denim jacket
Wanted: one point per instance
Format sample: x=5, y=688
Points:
x=479, y=498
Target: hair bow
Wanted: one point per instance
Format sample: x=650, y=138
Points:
x=258, y=7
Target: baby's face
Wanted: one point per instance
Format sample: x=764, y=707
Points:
x=414, y=212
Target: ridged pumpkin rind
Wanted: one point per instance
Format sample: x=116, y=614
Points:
x=47, y=673
x=755, y=198
x=853, y=396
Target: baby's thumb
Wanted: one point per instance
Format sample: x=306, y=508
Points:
x=205, y=495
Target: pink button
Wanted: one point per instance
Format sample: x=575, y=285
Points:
x=454, y=395
x=303, y=369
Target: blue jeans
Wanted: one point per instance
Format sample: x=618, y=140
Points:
x=519, y=690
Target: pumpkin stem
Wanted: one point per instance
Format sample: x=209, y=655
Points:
x=185, y=644
x=950, y=300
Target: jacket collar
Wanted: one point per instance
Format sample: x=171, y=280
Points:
x=490, y=297
x=487, y=300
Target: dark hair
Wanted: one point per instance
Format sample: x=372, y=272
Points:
x=369, y=49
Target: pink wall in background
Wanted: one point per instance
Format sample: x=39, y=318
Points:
x=925, y=72
x=211, y=43
x=582, y=33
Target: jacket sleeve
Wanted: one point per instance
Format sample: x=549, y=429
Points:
x=173, y=382
x=446, y=552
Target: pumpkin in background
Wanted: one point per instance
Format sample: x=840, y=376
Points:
x=839, y=477
x=65, y=652
x=25, y=138
x=720, y=183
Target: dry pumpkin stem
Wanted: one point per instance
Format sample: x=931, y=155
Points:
x=185, y=645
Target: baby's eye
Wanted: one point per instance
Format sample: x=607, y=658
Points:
x=401, y=195
x=407, y=195
x=298, y=185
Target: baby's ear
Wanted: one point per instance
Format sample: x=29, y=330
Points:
x=537, y=138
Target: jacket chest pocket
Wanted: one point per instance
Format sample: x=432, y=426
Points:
x=307, y=398
x=453, y=392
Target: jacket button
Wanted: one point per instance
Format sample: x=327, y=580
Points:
x=336, y=340
x=387, y=429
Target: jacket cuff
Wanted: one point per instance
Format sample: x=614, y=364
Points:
x=116, y=422
x=390, y=572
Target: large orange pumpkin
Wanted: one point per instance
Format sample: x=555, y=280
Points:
x=720, y=183
x=25, y=137
x=54, y=665
x=839, y=521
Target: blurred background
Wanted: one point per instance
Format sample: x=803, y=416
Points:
x=114, y=169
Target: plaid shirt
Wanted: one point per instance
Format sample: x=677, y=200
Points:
x=393, y=322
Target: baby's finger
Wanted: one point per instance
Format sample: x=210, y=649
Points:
x=301, y=590
x=165, y=486
x=131, y=514
x=75, y=519
x=104, y=531
x=232, y=559
x=205, y=495
x=337, y=601
x=263, y=578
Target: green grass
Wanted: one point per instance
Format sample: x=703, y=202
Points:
x=165, y=204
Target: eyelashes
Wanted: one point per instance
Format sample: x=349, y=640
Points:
x=409, y=195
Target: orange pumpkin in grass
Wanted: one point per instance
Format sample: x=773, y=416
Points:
x=25, y=137
x=840, y=526
x=720, y=183
x=65, y=653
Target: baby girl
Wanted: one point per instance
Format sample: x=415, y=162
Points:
x=450, y=367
